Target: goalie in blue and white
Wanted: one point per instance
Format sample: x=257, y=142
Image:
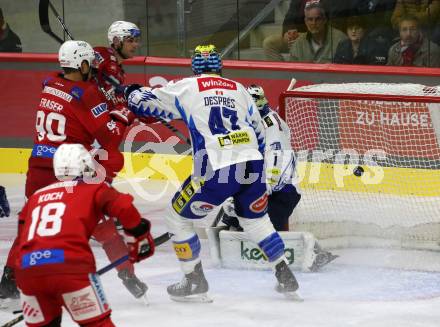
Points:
x=227, y=137
x=279, y=161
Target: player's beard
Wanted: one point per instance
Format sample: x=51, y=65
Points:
x=119, y=51
x=85, y=77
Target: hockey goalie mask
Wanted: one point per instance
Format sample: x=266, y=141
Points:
x=206, y=60
x=258, y=96
x=72, y=161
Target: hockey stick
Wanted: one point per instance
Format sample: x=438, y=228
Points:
x=157, y=241
x=43, y=13
x=14, y=321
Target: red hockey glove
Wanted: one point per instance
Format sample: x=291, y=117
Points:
x=139, y=241
x=122, y=114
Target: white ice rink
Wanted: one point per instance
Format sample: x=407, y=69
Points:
x=345, y=293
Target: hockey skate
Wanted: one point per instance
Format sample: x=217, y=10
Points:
x=287, y=283
x=136, y=287
x=9, y=294
x=192, y=288
x=322, y=258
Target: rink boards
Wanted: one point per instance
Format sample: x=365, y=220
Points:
x=313, y=176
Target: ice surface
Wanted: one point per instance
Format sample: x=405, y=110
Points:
x=345, y=293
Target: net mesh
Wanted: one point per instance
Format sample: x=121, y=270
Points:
x=367, y=167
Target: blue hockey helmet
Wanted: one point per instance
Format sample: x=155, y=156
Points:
x=206, y=60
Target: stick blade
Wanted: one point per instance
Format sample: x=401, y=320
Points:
x=43, y=14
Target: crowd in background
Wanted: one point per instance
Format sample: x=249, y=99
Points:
x=370, y=32
x=373, y=32
x=9, y=41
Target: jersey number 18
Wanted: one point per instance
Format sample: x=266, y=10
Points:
x=46, y=220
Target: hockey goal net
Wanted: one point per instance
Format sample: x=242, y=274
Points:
x=368, y=163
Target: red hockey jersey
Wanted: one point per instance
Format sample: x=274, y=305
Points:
x=108, y=69
x=75, y=112
x=57, y=222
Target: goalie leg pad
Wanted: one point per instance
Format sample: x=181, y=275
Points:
x=262, y=232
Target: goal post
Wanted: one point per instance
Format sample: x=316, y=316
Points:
x=368, y=163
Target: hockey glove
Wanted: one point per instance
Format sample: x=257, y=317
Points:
x=139, y=241
x=4, y=204
x=122, y=114
x=127, y=89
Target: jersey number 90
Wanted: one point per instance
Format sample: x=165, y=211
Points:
x=45, y=126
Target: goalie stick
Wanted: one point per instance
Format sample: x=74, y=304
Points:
x=43, y=13
x=157, y=241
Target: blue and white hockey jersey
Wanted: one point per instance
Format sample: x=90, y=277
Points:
x=221, y=116
x=279, y=158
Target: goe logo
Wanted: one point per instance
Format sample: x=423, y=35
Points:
x=42, y=257
x=38, y=255
x=41, y=150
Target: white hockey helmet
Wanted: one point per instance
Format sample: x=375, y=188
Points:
x=71, y=161
x=257, y=94
x=121, y=29
x=73, y=53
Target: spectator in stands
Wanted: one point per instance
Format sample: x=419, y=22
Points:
x=360, y=48
x=426, y=11
x=376, y=14
x=293, y=24
x=413, y=49
x=319, y=43
x=9, y=41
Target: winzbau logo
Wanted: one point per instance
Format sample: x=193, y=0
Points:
x=255, y=254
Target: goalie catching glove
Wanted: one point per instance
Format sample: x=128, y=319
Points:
x=139, y=241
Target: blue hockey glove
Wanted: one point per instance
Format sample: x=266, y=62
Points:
x=5, y=210
x=130, y=88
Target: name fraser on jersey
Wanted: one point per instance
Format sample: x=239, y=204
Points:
x=50, y=104
x=209, y=83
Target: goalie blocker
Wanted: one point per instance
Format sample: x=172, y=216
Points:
x=233, y=249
